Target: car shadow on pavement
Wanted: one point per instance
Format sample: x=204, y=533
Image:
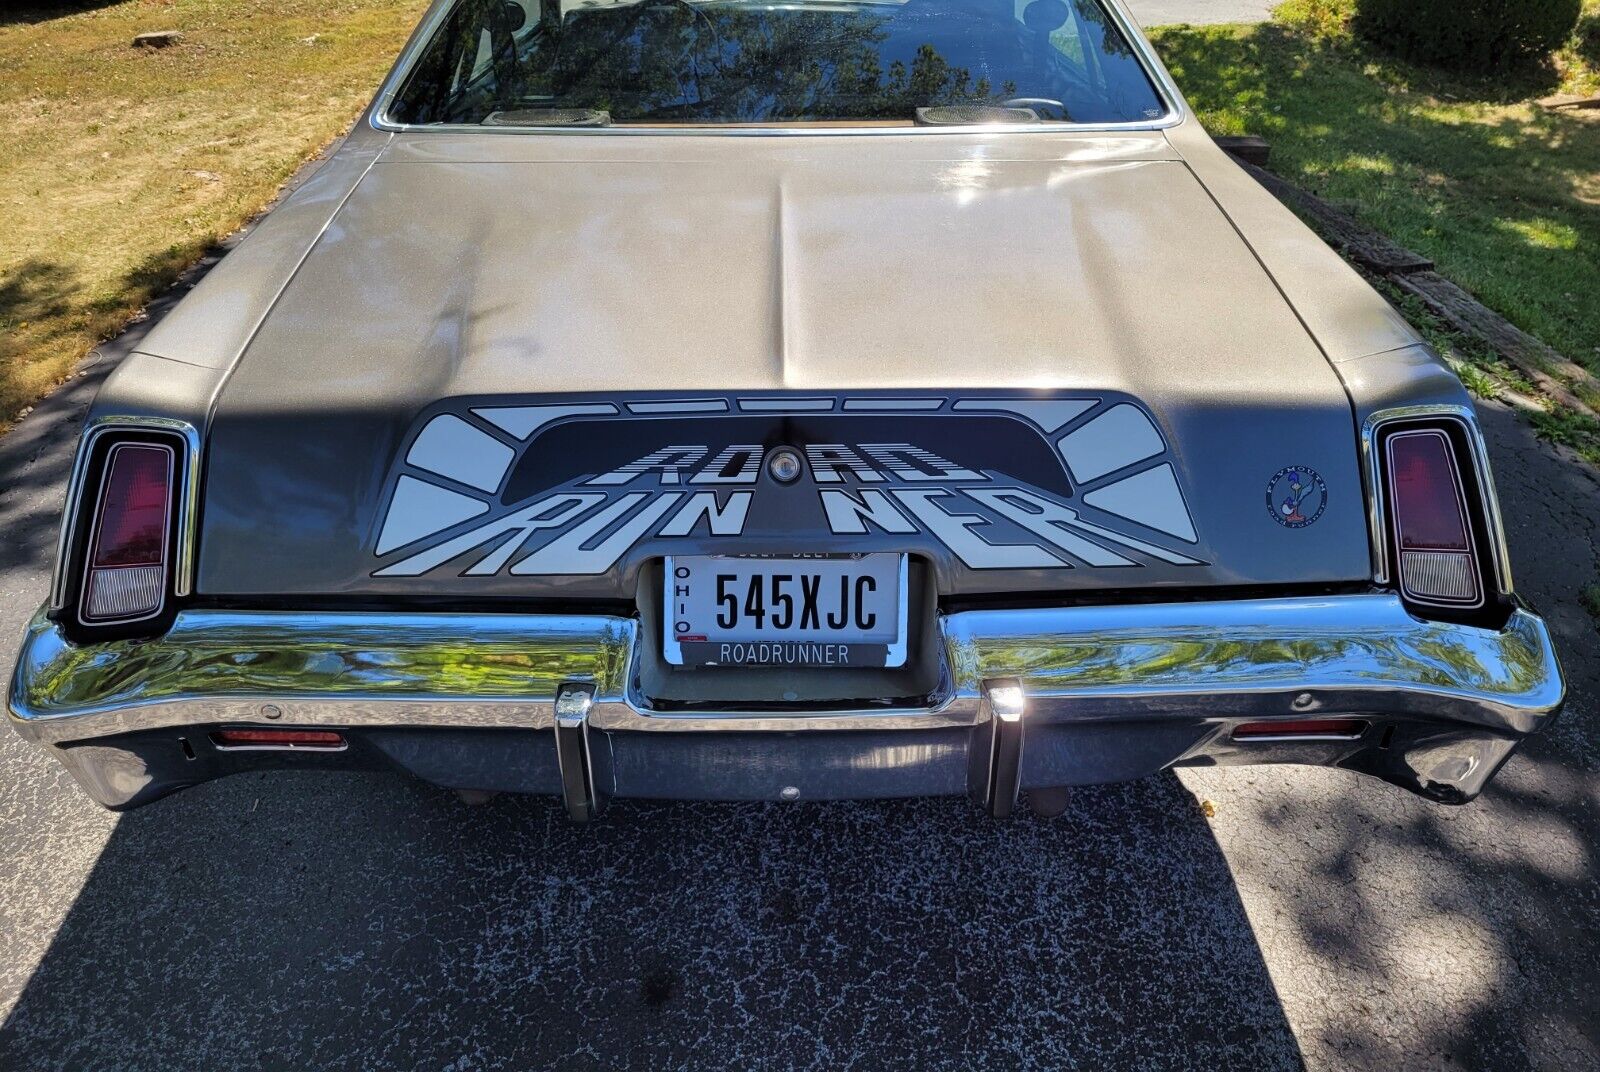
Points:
x=304, y=920
x=35, y=460
x=1474, y=925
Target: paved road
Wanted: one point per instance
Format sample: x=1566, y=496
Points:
x=363, y=921
x=1200, y=12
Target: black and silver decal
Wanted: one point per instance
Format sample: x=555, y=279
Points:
x=569, y=488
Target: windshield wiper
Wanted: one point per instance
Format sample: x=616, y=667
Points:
x=548, y=117
x=946, y=115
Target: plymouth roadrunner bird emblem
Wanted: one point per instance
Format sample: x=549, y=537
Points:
x=569, y=489
x=1296, y=496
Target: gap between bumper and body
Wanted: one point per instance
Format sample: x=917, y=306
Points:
x=1096, y=694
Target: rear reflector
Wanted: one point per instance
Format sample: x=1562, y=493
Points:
x=1342, y=729
x=313, y=739
x=1429, y=507
x=1438, y=575
x=127, y=568
x=124, y=592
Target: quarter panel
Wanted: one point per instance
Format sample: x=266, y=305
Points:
x=1342, y=312
x=216, y=320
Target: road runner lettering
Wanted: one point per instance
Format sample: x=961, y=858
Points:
x=900, y=495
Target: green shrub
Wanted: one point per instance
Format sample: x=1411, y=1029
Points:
x=1586, y=40
x=1470, y=35
x=1319, y=18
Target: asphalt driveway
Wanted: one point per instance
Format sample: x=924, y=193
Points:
x=364, y=921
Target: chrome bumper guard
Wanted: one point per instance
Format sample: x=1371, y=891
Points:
x=1008, y=674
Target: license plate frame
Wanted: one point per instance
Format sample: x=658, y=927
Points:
x=686, y=643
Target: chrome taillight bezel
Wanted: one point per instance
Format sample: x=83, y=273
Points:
x=1470, y=456
x=97, y=522
x=1463, y=507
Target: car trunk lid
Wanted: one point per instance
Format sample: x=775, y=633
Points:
x=475, y=276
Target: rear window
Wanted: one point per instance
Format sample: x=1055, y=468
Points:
x=520, y=63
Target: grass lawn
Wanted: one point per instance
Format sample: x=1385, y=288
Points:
x=121, y=165
x=1503, y=196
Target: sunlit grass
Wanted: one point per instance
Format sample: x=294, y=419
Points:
x=1546, y=234
x=1504, y=196
x=120, y=166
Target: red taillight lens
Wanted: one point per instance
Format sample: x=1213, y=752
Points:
x=126, y=578
x=277, y=739
x=1343, y=729
x=1429, y=508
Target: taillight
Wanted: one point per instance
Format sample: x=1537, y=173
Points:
x=125, y=578
x=1433, y=536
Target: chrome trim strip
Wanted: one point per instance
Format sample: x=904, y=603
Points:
x=1300, y=657
x=1353, y=655
x=1377, y=507
x=188, y=502
x=290, y=668
x=998, y=755
x=319, y=748
x=672, y=651
x=581, y=791
x=895, y=657
x=1177, y=109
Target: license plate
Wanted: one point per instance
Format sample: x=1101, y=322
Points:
x=772, y=610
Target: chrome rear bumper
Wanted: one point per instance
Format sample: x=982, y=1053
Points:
x=1119, y=690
